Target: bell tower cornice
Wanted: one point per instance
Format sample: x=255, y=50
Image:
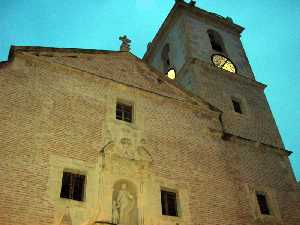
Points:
x=180, y=7
x=190, y=61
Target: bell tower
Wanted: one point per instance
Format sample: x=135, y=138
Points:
x=203, y=53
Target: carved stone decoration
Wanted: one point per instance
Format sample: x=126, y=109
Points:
x=126, y=149
x=124, y=204
x=142, y=154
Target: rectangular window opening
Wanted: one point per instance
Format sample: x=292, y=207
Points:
x=263, y=204
x=237, y=106
x=124, y=112
x=169, y=203
x=72, y=186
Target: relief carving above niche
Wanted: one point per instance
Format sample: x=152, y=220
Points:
x=126, y=149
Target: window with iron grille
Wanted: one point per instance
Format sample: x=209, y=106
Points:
x=263, y=204
x=72, y=186
x=169, y=203
x=124, y=112
x=237, y=106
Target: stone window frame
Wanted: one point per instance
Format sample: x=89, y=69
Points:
x=77, y=172
x=242, y=103
x=237, y=106
x=271, y=198
x=268, y=203
x=178, y=205
x=128, y=103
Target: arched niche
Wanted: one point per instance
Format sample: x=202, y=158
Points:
x=125, y=203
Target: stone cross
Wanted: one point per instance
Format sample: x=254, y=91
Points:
x=125, y=46
x=192, y=3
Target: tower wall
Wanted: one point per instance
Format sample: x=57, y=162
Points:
x=220, y=88
x=200, y=46
x=176, y=38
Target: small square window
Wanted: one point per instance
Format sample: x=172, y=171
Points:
x=237, y=106
x=169, y=203
x=72, y=186
x=124, y=112
x=263, y=204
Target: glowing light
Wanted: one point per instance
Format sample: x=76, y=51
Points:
x=171, y=74
x=223, y=63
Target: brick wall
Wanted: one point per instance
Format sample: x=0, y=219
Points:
x=219, y=88
x=48, y=110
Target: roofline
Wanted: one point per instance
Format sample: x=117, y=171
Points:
x=180, y=4
x=14, y=48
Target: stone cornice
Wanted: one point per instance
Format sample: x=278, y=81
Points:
x=41, y=49
x=231, y=76
x=260, y=145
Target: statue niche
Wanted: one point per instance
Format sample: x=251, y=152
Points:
x=124, y=204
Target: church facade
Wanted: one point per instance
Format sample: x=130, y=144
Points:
x=184, y=136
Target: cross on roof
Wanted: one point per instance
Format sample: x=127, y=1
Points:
x=125, y=45
x=192, y=3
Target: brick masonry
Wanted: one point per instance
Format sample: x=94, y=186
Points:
x=57, y=112
x=50, y=109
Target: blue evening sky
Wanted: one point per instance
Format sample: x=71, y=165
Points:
x=271, y=39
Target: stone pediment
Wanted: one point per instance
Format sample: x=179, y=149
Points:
x=125, y=149
x=120, y=67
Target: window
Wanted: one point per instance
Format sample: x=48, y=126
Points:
x=263, y=204
x=72, y=186
x=237, y=106
x=165, y=58
x=216, y=41
x=169, y=203
x=124, y=112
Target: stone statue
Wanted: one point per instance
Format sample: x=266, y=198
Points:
x=115, y=213
x=124, y=204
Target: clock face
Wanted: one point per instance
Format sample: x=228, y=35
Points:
x=223, y=63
